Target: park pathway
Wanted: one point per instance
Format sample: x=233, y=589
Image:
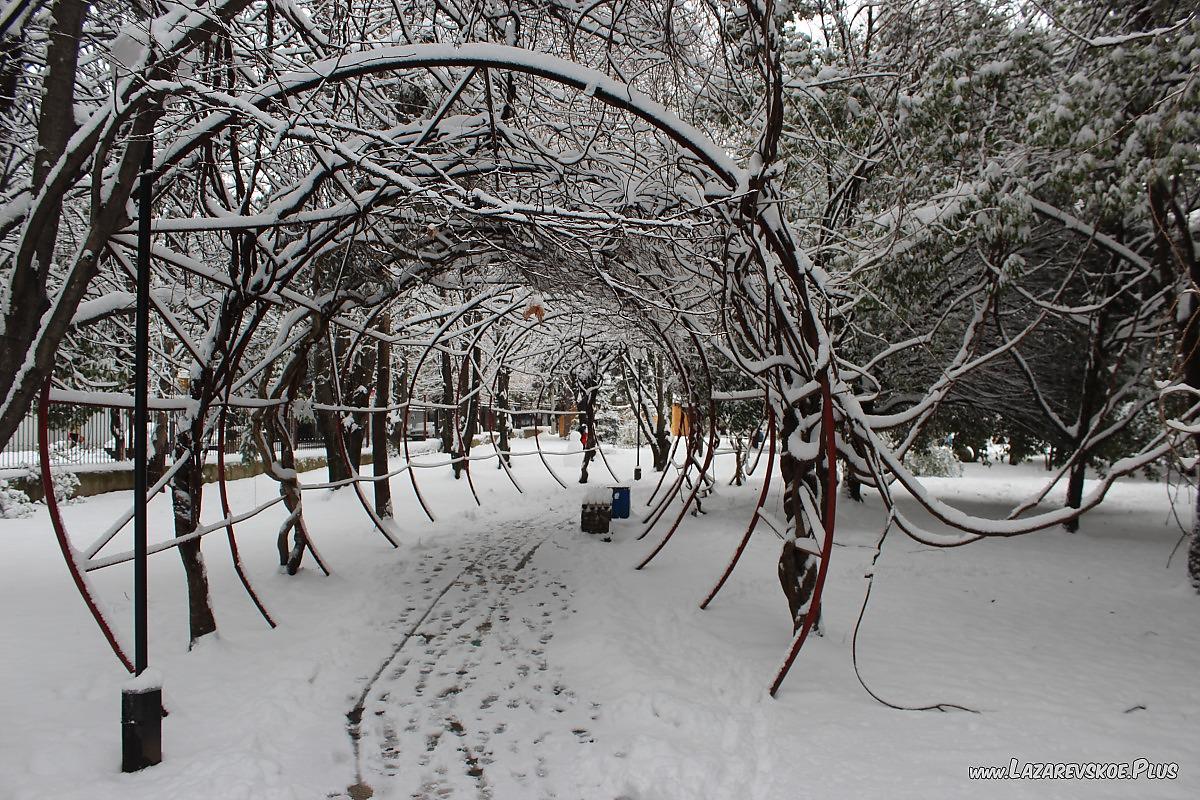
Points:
x=466, y=705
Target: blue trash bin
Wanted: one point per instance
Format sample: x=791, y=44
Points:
x=620, y=502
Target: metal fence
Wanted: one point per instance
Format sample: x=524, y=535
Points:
x=90, y=435
x=79, y=435
x=96, y=437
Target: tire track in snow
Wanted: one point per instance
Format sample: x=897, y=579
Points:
x=458, y=708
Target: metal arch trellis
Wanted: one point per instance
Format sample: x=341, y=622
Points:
x=806, y=344
x=81, y=561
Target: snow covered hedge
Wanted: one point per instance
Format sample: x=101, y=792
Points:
x=65, y=484
x=936, y=461
x=13, y=502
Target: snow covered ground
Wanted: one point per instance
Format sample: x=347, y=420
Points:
x=501, y=653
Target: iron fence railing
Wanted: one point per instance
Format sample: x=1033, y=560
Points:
x=91, y=435
x=78, y=435
x=82, y=435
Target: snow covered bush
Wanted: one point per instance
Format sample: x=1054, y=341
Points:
x=628, y=436
x=65, y=484
x=13, y=502
x=935, y=461
x=247, y=449
x=608, y=425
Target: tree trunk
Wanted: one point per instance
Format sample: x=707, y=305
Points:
x=355, y=375
x=1075, y=491
x=1193, y=562
x=293, y=498
x=1185, y=270
x=156, y=464
x=585, y=402
x=399, y=432
x=117, y=429
x=275, y=426
x=271, y=427
x=739, y=462
x=660, y=444
x=10, y=70
x=31, y=335
x=335, y=460
x=468, y=398
x=187, y=487
x=28, y=299
x=446, y=421
x=853, y=485
x=502, y=420
x=336, y=465
x=797, y=568
x=379, y=437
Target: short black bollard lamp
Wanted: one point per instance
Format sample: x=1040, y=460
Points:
x=141, y=721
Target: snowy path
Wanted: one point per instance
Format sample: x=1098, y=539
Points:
x=501, y=653
x=426, y=725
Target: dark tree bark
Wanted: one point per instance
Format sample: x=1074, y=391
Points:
x=797, y=568
x=336, y=465
x=468, y=398
x=56, y=124
x=587, y=388
x=660, y=443
x=11, y=47
x=273, y=427
x=28, y=293
x=337, y=468
x=119, y=434
x=31, y=333
x=357, y=374
x=446, y=417
x=1092, y=396
x=278, y=431
x=399, y=431
x=853, y=486
x=187, y=487
x=1075, y=490
x=1175, y=256
x=356, y=371
x=653, y=426
x=157, y=463
x=379, y=420
x=502, y=420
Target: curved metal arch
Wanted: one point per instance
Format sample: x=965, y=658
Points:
x=70, y=554
x=808, y=343
x=475, y=55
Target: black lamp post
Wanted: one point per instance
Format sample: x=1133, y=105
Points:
x=141, y=698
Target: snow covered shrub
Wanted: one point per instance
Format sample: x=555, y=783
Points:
x=64, y=484
x=13, y=502
x=628, y=436
x=608, y=425
x=935, y=461
x=247, y=449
